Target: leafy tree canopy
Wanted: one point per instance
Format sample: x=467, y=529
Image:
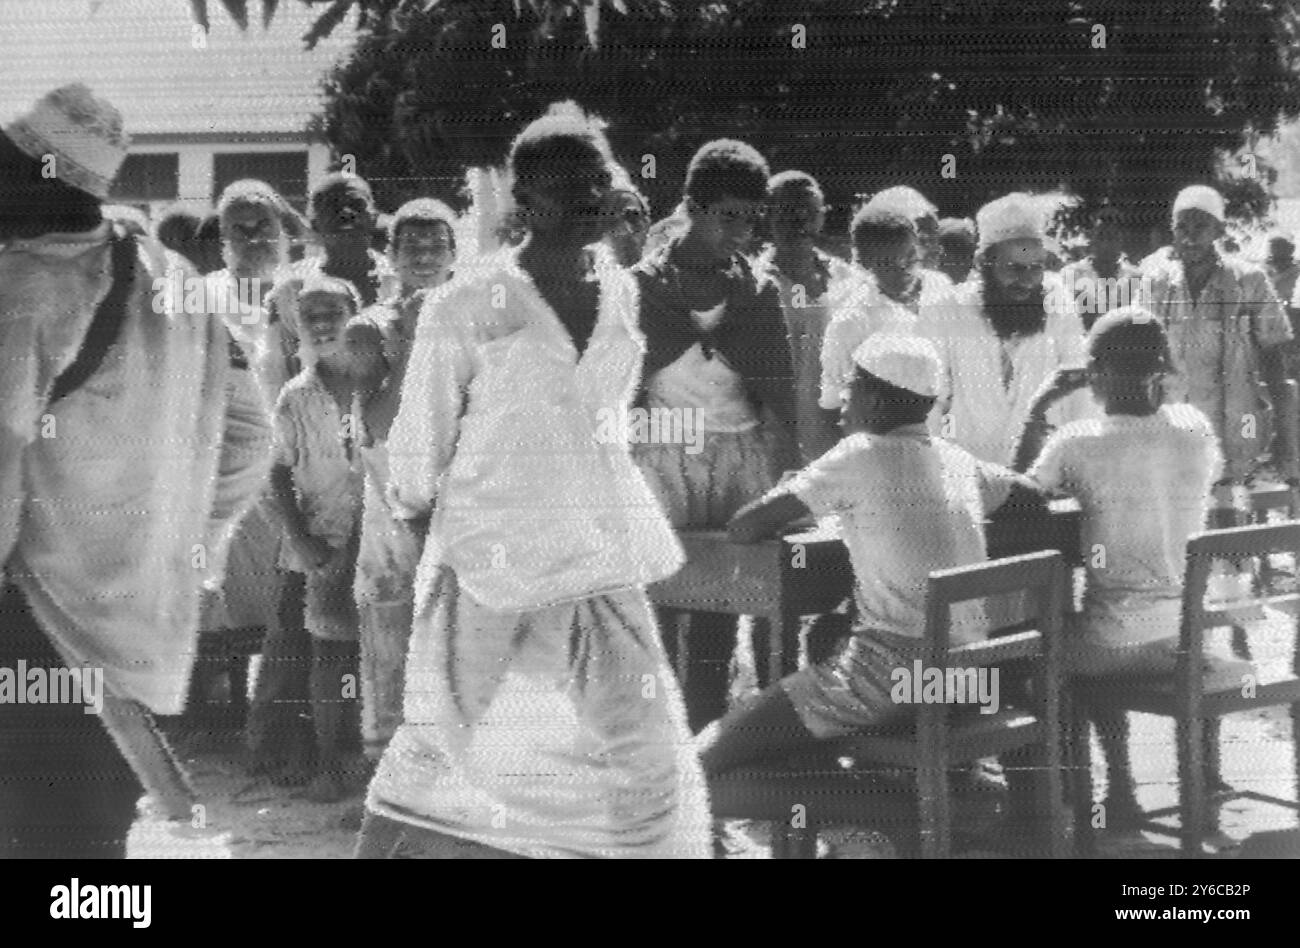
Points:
x=1125, y=100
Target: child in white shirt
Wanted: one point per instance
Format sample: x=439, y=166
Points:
x=316, y=479
x=1142, y=474
x=908, y=504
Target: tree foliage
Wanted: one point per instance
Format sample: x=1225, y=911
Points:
x=1123, y=99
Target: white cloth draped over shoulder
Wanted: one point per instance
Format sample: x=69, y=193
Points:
x=499, y=434
x=119, y=499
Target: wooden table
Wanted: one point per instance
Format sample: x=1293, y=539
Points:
x=808, y=573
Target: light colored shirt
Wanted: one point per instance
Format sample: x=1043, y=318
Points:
x=706, y=385
x=806, y=320
x=988, y=384
x=117, y=501
x=1094, y=295
x=315, y=441
x=389, y=552
x=867, y=311
x=908, y=504
x=1143, y=484
x=499, y=435
x=1215, y=343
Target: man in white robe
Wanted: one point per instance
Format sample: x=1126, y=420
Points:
x=128, y=451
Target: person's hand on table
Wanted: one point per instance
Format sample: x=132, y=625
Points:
x=313, y=552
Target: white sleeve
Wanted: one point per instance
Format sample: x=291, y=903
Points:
x=423, y=438
x=844, y=334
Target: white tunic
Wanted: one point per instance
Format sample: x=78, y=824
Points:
x=988, y=383
x=499, y=433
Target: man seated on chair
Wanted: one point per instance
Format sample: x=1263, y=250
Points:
x=1143, y=476
x=908, y=504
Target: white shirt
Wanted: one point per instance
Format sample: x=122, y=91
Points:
x=979, y=407
x=908, y=505
x=868, y=311
x=499, y=433
x=118, y=501
x=1144, y=486
x=314, y=441
x=706, y=385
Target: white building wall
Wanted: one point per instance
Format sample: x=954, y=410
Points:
x=195, y=166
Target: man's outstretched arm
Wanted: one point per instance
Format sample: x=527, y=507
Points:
x=762, y=518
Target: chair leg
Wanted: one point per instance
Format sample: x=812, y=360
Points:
x=1240, y=643
x=1079, y=751
x=1295, y=749
x=1191, y=786
x=932, y=784
x=238, y=671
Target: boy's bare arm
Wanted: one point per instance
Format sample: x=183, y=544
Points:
x=1025, y=496
x=764, y=517
x=285, y=500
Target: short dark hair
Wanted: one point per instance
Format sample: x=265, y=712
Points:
x=726, y=168
x=336, y=185
x=561, y=138
x=874, y=228
x=1130, y=340
x=792, y=184
x=177, y=229
x=957, y=235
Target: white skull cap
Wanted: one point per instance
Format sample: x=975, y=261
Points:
x=1018, y=216
x=908, y=362
x=1200, y=197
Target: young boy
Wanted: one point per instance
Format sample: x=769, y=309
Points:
x=423, y=246
x=901, y=296
x=908, y=504
x=716, y=358
x=317, y=483
x=1143, y=476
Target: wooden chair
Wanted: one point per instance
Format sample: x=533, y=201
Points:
x=935, y=738
x=1265, y=500
x=1184, y=698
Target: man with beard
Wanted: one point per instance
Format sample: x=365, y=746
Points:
x=128, y=450
x=255, y=220
x=1011, y=330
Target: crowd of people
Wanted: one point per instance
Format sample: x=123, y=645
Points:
x=390, y=461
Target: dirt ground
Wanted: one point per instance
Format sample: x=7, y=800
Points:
x=244, y=817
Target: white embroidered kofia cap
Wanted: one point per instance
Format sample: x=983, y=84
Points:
x=909, y=362
x=80, y=133
x=1017, y=216
x=1200, y=197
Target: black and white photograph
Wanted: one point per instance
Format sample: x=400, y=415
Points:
x=651, y=429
